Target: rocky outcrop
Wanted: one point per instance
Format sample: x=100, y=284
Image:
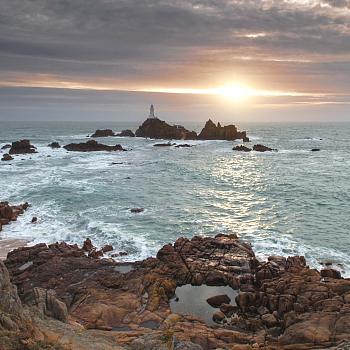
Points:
x=262, y=148
x=10, y=213
x=218, y=132
x=126, y=133
x=91, y=146
x=159, y=129
x=22, y=147
x=54, y=145
x=6, y=157
x=103, y=133
x=241, y=148
x=6, y=146
x=282, y=303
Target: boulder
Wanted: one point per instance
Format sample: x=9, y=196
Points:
x=54, y=145
x=6, y=156
x=218, y=317
x=218, y=132
x=126, y=133
x=331, y=273
x=91, y=146
x=217, y=300
x=103, y=133
x=22, y=147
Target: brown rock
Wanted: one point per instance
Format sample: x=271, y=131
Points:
x=34, y=219
x=217, y=300
x=107, y=248
x=54, y=145
x=137, y=210
x=331, y=273
x=217, y=132
x=269, y=320
x=103, y=133
x=87, y=246
x=126, y=133
x=218, y=317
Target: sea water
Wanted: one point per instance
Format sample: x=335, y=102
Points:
x=290, y=202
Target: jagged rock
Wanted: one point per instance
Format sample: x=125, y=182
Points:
x=103, y=133
x=6, y=156
x=22, y=147
x=126, y=133
x=54, y=145
x=261, y=148
x=228, y=132
x=46, y=303
x=87, y=246
x=217, y=300
x=92, y=145
x=159, y=129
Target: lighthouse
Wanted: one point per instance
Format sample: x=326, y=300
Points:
x=151, y=113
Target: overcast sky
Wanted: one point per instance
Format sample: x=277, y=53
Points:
x=229, y=60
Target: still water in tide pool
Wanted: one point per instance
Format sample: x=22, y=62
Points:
x=289, y=202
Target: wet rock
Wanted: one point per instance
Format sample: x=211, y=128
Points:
x=34, y=219
x=315, y=150
x=22, y=147
x=54, y=145
x=103, y=133
x=164, y=144
x=92, y=146
x=126, y=133
x=218, y=132
x=217, y=300
x=107, y=248
x=6, y=157
x=6, y=146
x=88, y=246
x=261, y=148
x=185, y=145
x=241, y=148
x=10, y=213
x=46, y=303
x=137, y=210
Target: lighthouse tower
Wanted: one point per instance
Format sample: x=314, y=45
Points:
x=151, y=113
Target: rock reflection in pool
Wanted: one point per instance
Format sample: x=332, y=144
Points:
x=192, y=300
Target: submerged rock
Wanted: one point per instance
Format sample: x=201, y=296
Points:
x=241, y=148
x=22, y=147
x=91, y=146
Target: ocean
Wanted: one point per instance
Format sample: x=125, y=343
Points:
x=290, y=202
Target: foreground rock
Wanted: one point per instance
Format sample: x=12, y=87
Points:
x=91, y=146
x=10, y=213
x=159, y=129
x=218, y=132
x=282, y=304
x=22, y=147
x=103, y=133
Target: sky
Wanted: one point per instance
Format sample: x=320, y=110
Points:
x=231, y=61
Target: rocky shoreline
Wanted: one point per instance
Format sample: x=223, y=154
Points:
x=65, y=294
